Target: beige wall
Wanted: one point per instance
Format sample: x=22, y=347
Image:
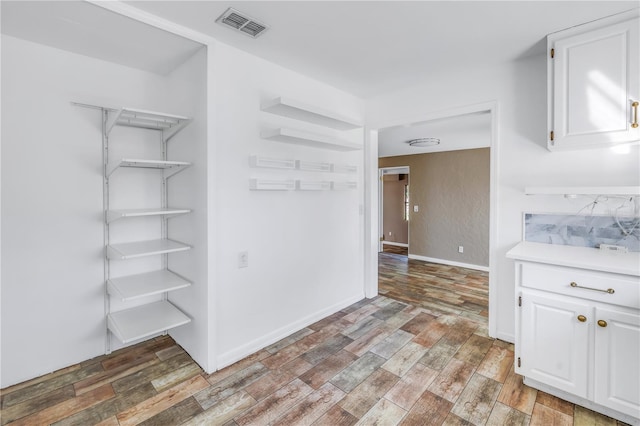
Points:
x=393, y=224
x=451, y=190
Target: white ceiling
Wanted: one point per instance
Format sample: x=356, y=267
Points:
x=371, y=47
x=466, y=131
x=89, y=30
x=363, y=47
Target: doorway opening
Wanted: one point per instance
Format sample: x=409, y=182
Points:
x=394, y=210
x=475, y=126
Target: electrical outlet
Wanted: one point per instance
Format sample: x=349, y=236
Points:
x=243, y=259
x=460, y=249
x=415, y=209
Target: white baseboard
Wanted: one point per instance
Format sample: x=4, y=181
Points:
x=449, y=262
x=391, y=243
x=254, y=346
x=510, y=338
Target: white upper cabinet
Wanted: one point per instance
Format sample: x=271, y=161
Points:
x=594, y=83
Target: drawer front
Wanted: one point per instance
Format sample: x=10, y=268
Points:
x=623, y=290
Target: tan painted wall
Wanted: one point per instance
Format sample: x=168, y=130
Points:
x=451, y=190
x=393, y=224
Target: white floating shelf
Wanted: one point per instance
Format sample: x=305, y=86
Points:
x=311, y=166
x=144, y=248
x=113, y=215
x=169, y=124
x=145, y=321
x=305, y=185
x=172, y=167
x=271, y=163
x=271, y=185
x=582, y=190
x=300, y=137
x=344, y=168
x=147, y=284
x=344, y=186
x=299, y=111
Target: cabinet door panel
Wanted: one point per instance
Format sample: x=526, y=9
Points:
x=617, y=361
x=595, y=77
x=554, y=343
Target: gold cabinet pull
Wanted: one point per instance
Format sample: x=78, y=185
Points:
x=634, y=105
x=582, y=318
x=609, y=290
x=602, y=323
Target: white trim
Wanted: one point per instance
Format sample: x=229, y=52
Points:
x=371, y=212
x=392, y=243
x=262, y=342
x=449, y=262
x=153, y=20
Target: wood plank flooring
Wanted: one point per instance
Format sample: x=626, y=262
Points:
x=380, y=361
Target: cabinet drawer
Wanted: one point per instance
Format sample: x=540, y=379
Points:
x=572, y=282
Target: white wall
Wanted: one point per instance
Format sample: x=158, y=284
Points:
x=305, y=248
x=523, y=160
x=52, y=245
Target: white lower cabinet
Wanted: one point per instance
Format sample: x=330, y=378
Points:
x=578, y=332
x=617, y=360
x=554, y=343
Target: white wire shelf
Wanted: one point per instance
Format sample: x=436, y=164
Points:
x=299, y=111
x=145, y=321
x=170, y=167
x=113, y=215
x=312, y=166
x=344, y=186
x=344, y=168
x=300, y=137
x=144, y=248
x=169, y=124
x=148, y=284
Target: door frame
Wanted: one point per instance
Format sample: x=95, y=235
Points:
x=381, y=172
x=372, y=198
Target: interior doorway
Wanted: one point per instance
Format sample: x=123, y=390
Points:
x=487, y=113
x=394, y=210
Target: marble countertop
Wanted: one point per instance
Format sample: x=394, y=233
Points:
x=578, y=257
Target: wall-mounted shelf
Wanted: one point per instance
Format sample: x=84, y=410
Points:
x=169, y=124
x=311, y=166
x=272, y=185
x=582, y=190
x=144, y=248
x=343, y=186
x=271, y=163
x=309, y=139
x=170, y=167
x=344, y=168
x=113, y=215
x=299, y=111
x=305, y=185
x=148, y=284
x=145, y=321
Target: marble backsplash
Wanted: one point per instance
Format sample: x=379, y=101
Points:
x=582, y=231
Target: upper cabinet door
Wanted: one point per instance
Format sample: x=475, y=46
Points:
x=594, y=81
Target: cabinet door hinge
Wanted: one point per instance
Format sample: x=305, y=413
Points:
x=519, y=300
x=553, y=53
x=519, y=362
x=551, y=135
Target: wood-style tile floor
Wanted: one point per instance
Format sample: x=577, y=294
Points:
x=380, y=361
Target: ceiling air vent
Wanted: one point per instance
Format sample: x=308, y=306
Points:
x=242, y=22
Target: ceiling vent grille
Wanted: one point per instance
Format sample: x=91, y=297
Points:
x=242, y=22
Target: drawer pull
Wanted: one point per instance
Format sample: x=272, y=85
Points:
x=602, y=323
x=609, y=290
x=582, y=318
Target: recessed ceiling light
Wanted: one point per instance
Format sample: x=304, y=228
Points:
x=422, y=142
